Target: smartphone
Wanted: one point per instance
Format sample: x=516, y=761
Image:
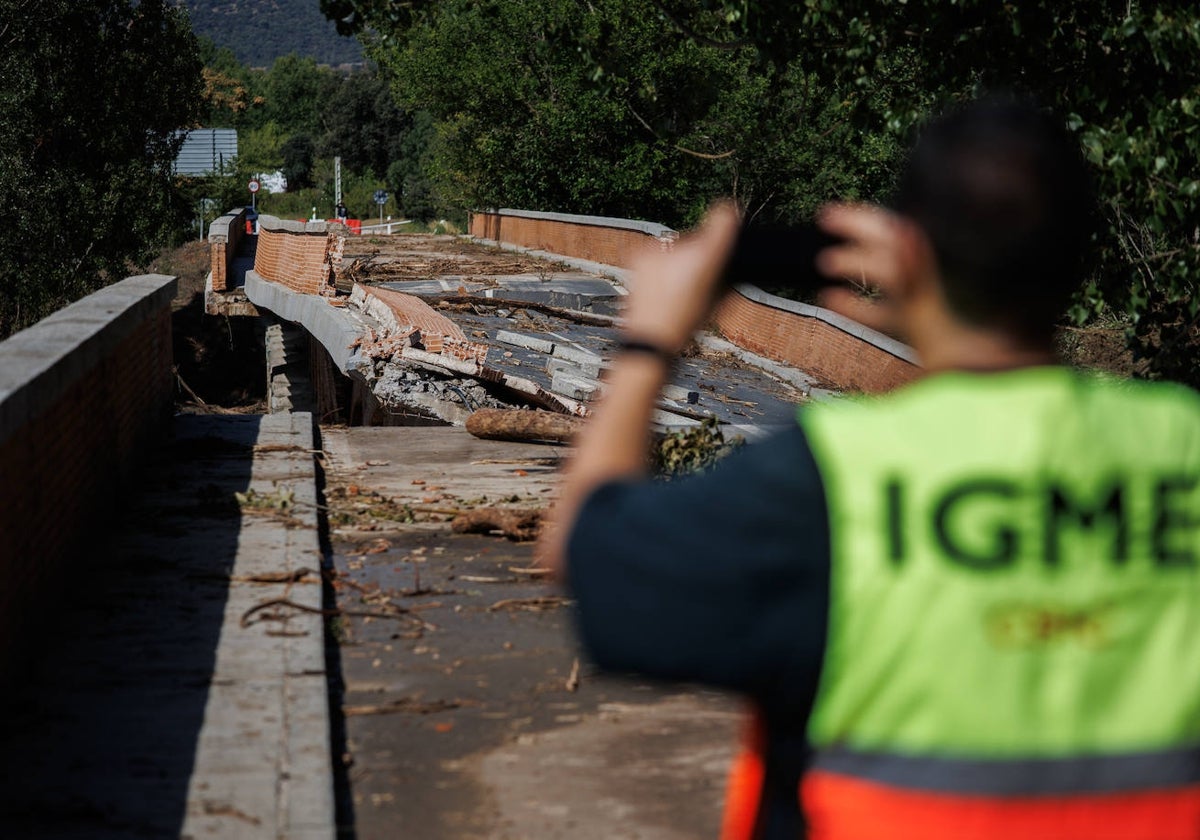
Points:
x=780, y=257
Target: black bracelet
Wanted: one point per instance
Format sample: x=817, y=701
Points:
x=645, y=348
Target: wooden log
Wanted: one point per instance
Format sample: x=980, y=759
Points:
x=530, y=426
x=517, y=525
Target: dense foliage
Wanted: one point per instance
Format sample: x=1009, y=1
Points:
x=651, y=107
x=260, y=31
x=296, y=117
x=94, y=92
x=605, y=108
x=1124, y=75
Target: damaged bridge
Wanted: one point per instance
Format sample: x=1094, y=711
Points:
x=408, y=330
x=305, y=623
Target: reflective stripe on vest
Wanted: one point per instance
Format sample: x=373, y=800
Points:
x=1082, y=774
x=1014, y=610
x=848, y=808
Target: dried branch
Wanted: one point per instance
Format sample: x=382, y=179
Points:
x=704, y=155
x=400, y=612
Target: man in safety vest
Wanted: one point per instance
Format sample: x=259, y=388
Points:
x=966, y=609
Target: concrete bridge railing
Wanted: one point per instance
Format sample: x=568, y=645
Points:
x=835, y=349
x=82, y=394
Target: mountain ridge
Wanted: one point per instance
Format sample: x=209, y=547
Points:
x=260, y=31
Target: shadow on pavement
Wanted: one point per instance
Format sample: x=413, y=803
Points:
x=103, y=738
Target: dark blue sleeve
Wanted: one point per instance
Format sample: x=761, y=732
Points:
x=720, y=578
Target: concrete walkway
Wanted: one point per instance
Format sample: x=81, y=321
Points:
x=163, y=707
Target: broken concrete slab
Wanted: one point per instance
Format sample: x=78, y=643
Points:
x=579, y=357
x=529, y=342
x=575, y=387
x=573, y=368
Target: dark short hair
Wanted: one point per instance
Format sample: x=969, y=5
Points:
x=1002, y=191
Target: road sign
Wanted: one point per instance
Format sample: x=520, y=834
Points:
x=254, y=186
x=381, y=197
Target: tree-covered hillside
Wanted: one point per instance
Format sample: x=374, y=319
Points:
x=260, y=31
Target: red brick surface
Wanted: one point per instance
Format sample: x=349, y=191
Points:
x=415, y=312
x=300, y=261
x=224, y=237
x=608, y=245
x=62, y=471
x=832, y=355
x=220, y=262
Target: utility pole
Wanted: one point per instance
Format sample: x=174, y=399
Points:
x=337, y=181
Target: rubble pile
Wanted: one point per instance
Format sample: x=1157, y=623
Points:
x=414, y=357
x=430, y=348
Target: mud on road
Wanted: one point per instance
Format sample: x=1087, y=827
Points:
x=380, y=259
x=473, y=714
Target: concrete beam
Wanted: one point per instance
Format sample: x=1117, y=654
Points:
x=335, y=327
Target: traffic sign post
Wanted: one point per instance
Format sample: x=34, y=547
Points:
x=254, y=186
x=207, y=205
x=381, y=198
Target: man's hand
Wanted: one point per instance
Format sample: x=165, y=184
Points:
x=884, y=252
x=671, y=295
x=673, y=291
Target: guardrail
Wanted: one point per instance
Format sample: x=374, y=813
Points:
x=301, y=255
x=599, y=239
x=385, y=228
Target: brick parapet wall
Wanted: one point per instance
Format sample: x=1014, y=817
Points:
x=82, y=394
x=224, y=236
x=840, y=352
x=400, y=310
x=596, y=238
x=298, y=255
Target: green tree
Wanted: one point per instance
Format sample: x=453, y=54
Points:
x=298, y=157
x=1124, y=74
x=232, y=92
x=297, y=92
x=605, y=108
x=261, y=149
x=540, y=103
x=95, y=92
x=408, y=176
x=363, y=124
